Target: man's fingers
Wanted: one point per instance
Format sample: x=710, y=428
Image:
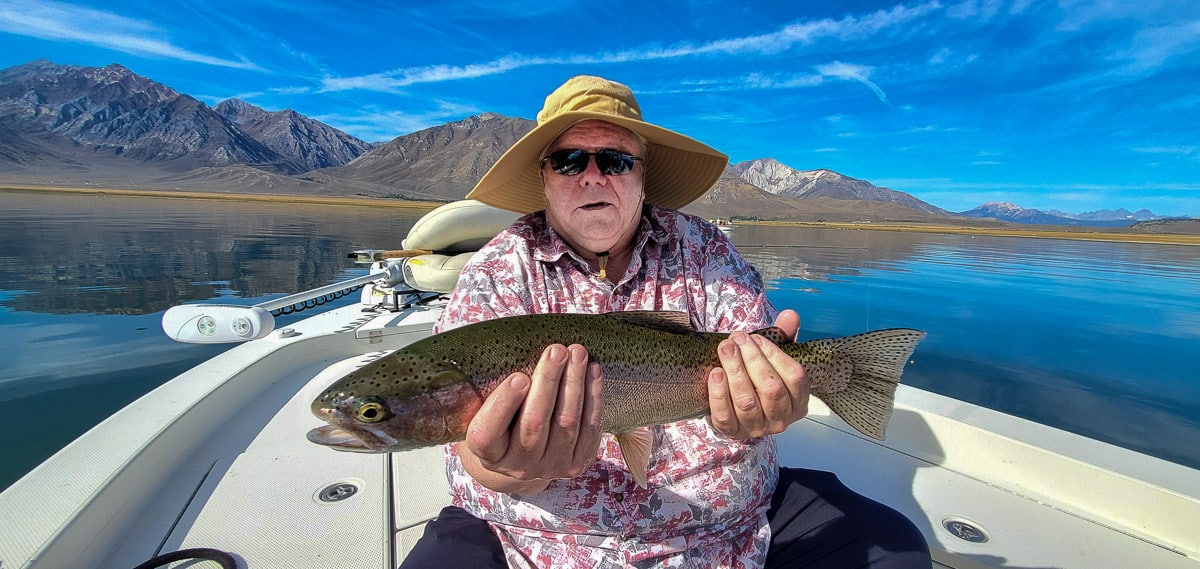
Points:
x=536, y=416
x=789, y=371
x=737, y=355
x=720, y=407
x=776, y=397
x=488, y=432
x=568, y=411
x=761, y=389
x=593, y=418
x=789, y=322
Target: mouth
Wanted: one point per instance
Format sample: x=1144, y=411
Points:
x=594, y=206
x=338, y=439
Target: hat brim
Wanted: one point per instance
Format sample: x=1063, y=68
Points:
x=678, y=169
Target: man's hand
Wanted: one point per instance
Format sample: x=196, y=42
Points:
x=758, y=390
x=533, y=429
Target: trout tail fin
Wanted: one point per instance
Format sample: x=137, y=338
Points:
x=856, y=376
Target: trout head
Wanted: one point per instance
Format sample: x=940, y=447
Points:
x=402, y=401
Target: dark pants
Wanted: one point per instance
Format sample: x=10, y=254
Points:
x=816, y=522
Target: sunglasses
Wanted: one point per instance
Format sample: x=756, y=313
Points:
x=573, y=161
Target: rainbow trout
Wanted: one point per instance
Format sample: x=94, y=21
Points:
x=654, y=364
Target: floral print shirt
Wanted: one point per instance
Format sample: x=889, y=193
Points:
x=707, y=496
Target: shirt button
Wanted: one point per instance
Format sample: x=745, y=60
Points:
x=619, y=496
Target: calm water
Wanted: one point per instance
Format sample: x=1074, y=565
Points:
x=1095, y=338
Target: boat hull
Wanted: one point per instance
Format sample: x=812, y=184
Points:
x=217, y=458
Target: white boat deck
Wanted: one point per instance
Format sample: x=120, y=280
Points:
x=1036, y=507
x=218, y=458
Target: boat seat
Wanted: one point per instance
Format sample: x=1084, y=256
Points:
x=453, y=232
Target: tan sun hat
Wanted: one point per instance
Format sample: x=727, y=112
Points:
x=678, y=169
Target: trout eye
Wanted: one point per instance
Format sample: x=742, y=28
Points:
x=371, y=411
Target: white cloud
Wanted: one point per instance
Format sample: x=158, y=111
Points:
x=761, y=81
x=1151, y=47
x=394, y=80
x=980, y=10
x=56, y=21
x=787, y=37
x=852, y=72
x=1179, y=150
x=940, y=56
x=929, y=128
x=374, y=125
x=1158, y=31
x=1170, y=154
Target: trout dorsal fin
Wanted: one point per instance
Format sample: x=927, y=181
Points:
x=667, y=321
x=775, y=334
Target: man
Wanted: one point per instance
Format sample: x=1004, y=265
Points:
x=536, y=483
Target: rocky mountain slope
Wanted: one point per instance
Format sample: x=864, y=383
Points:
x=1004, y=211
x=1120, y=214
x=782, y=180
x=309, y=143
x=116, y=113
x=77, y=117
x=441, y=162
x=107, y=126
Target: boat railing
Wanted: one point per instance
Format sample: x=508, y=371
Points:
x=228, y=323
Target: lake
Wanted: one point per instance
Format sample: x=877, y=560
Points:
x=1097, y=338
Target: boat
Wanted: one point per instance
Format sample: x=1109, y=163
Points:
x=215, y=464
x=725, y=225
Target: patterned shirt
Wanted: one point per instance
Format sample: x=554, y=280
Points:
x=707, y=496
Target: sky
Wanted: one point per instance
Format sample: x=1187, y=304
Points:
x=1074, y=106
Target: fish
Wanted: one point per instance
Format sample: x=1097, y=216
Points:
x=654, y=366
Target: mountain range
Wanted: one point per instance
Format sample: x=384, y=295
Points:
x=1106, y=217
x=107, y=126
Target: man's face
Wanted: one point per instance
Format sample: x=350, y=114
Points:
x=593, y=212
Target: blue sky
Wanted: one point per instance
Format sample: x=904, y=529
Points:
x=1075, y=106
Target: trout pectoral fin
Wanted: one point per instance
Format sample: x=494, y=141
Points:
x=635, y=448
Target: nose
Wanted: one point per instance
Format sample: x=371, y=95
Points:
x=591, y=173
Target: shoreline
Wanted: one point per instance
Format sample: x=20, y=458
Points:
x=1040, y=232
x=358, y=201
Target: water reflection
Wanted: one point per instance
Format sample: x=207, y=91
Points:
x=1092, y=337
x=108, y=255
x=816, y=255
x=84, y=280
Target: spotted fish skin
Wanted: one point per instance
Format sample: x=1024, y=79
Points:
x=654, y=364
